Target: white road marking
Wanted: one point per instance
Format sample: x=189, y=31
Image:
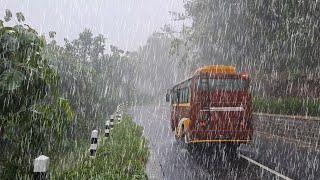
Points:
x=265, y=167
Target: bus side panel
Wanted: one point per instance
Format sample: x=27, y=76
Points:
x=175, y=116
x=177, y=113
x=193, y=107
x=172, y=118
x=184, y=112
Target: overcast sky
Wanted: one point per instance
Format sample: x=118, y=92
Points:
x=125, y=23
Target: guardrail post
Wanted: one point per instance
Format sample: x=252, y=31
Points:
x=41, y=168
x=111, y=121
x=107, y=129
x=94, y=142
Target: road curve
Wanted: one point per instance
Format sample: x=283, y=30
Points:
x=170, y=160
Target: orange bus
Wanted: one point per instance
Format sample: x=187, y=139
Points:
x=213, y=106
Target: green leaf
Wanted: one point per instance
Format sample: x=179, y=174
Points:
x=20, y=17
x=11, y=80
x=8, y=15
x=64, y=104
x=52, y=34
x=11, y=43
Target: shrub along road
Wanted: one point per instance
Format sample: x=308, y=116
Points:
x=121, y=156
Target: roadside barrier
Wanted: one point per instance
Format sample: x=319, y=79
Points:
x=119, y=113
x=107, y=129
x=299, y=129
x=119, y=117
x=41, y=163
x=109, y=124
x=111, y=121
x=40, y=168
x=94, y=143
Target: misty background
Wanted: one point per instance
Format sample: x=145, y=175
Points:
x=125, y=23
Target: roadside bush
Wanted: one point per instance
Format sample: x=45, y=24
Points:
x=34, y=118
x=122, y=156
x=288, y=106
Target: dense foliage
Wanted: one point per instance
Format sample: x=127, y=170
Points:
x=276, y=41
x=291, y=106
x=34, y=118
x=94, y=82
x=53, y=96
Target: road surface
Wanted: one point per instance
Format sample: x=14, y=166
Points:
x=170, y=160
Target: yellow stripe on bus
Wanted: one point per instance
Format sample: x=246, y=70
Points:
x=182, y=105
x=219, y=140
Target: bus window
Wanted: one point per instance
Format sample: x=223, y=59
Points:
x=172, y=97
x=202, y=84
x=187, y=95
x=181, y=99
x=175, y=96
x=228, y=84
x=178, y=96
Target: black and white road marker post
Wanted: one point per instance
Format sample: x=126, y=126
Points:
x=119, y=109
x=119, y=117
x=111, y=121
x=94, y=143
x=41, y=168
x=107, y=129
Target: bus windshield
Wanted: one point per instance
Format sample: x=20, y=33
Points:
x=223, y=84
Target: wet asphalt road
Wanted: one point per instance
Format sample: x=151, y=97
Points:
x=171, y=160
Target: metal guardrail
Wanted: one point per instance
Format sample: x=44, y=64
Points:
x=291, y=117
x=302, y=129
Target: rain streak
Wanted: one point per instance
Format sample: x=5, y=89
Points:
x=160, y=89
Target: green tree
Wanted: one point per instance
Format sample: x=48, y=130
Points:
x=34, y=118
x=91, y=79
x=274, y=39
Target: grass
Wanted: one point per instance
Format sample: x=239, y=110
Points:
x=67, y=159
x=121, y=156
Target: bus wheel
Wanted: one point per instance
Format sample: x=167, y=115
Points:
x=189, y=146
x=176, y=134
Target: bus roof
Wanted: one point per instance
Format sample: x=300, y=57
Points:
x=211, y=69
x=216, y=69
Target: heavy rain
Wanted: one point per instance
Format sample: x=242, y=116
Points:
x=160, y=89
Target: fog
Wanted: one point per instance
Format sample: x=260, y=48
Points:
x=118, y=20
